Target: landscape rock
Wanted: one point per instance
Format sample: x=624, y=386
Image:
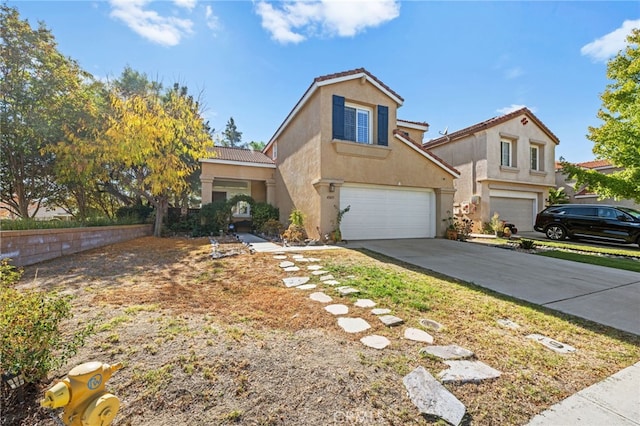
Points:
x=461, y=372
x=287, y=264
x=554, y=345
x=375, y=341
x=507, y=323
x=380, y=311
x=347, y=290
x=365, y=303
x=337, y=309
x=431, y=398
x=295, y=281
x=390, y=320
x=320, y=297
x=447, y=352
x=306, y=287
x=298, y=256
x=319, y=272
x=291, y=269
x=353, y=325
x=418, y=335
x=327, y=277
x=431, y=324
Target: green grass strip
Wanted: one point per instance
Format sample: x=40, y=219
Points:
x=610, y=262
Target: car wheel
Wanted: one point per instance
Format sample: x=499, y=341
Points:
x=555, y=232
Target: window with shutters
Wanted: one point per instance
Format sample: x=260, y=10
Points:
x=357, y=123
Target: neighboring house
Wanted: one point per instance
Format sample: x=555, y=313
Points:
x=582, y=195
x=43, y=213
x=506, y=166
x=343, y=145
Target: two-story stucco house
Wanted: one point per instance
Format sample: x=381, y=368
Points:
x=343, y=145
x=506, y=164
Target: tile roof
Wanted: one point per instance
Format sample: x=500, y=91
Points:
x=239, y=154
x=354, y=72
x=595, y=164
x=490, y=123
x=419, y=123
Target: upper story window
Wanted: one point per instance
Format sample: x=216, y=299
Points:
x=274, y=151
x=357, y=123
x=535, y=157
x=506, y=152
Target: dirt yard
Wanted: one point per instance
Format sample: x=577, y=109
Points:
x=211, y=342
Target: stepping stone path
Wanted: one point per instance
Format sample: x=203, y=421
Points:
x=461, y=372
x=375, y=341
x=418, y=335
x=292, y=269
x=561, y=348
x=306, y=287
x=347, y=290
x=287, y=264
x=365, y=303
x=320, y=297
x=380, y=311
x=319, y=272
x=314, y=267
x=280, y=257
x=390, y=320
x=447, y=352
x=295, y=281
x=353, y=325
x=431, y=398
x=507, y=323
x=431, y=324
x=337, y=309
x=331, y=282
x=297, y=256
x=313, y=259
x=327, y=277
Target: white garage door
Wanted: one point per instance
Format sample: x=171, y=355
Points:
x=383, y=212
x=518, y=211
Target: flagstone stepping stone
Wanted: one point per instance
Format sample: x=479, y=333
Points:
x=298, y=256
x=347, y=290
x=353, y=325
x=447, y=352
x=302, y=259
x=376, y=342
x=320, y=297
x=287, y=264
x=295, y=281
x=291, y=269
x=554, y=345
x=306, y=287
x=380, y=311
x=313, y=259
x=327, y=277
x=337, y=309
x=390, y=320
x=278, y=252
x=314, y=267
x=461, y=372
x=331, y=282
x=365, y=303
x=418, y=335
x=507, y=323
x=280, y=257
x=319, y=272
x=431, y=398
x=433, y=325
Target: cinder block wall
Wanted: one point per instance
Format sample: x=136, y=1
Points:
x=37, y=245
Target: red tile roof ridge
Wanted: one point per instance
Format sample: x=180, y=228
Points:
x=490, y=123
x=354, y=72
x=594, y=164
x=419, y=123
x=234, y=153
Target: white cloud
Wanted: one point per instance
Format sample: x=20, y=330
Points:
x=514, y=107
x=167, y=31
x=187, y=4
x=212, y=20
x=295, y=21
x=512, y=73
x=601, y=49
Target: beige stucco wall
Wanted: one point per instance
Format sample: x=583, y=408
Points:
x=415, y=134
x=257, y=175
x=477, y=157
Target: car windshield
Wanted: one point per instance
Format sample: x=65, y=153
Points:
x=632, y=212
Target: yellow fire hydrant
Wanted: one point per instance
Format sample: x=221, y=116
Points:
x=82, y=394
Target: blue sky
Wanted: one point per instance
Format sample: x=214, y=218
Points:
x=455, y=63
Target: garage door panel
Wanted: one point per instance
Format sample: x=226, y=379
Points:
x=518, y=211
x=382, y=212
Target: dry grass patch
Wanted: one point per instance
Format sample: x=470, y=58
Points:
x=222, y=341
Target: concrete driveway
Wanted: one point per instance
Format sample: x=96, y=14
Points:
x=603, y=295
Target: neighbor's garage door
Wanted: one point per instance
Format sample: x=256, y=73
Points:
x=382, y=212
x=518, y=211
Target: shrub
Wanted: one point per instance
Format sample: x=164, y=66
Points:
x=527, y=244
x=137, y=212
x=272, y=228
x=295, y=233
x=214, y=217
x=31, y=339
x=263, y=212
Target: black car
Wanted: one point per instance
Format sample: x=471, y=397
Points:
x=596, y=221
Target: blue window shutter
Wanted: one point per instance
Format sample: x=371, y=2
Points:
x=383, y=125
x=338, y=117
